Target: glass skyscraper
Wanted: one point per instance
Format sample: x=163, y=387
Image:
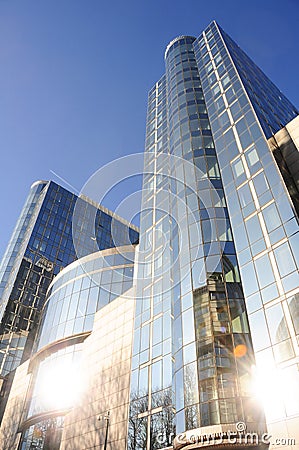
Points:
x=47, y=239
x=213, y=357
x=219, y=250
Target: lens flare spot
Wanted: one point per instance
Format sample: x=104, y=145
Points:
x=240, y=350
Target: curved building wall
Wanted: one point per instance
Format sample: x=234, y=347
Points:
x=49, y=379
x=210, y=379
x=100, y=375
x=55, y=228
x=58, y=374
x=83, y=288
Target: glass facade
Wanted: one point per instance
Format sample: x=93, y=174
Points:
x=45, y=434
x=57, y=372
x=42, y=244
x=263, y=218
x=218, y=248
x=83, y=288
x=273, y=109
x=216, y=325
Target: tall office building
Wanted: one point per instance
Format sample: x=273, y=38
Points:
x=215, y=295
x=80, y=367
x=46, y=239
x=218, y=265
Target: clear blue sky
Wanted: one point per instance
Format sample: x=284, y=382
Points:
x=75, y=74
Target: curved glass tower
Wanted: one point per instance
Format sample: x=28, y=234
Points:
x=211, y=264
x=57, y=376
x=42, y=244
x=213, y=308
x=193, y=285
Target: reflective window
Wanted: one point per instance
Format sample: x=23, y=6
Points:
x=264, y=271
x=188, y=326
x=260, y=183
x=157, y=331
x=259, y=332
x=190, y=380
x=144, y=344
x=238, y=170
x=238, y=316
x=249, y=279
x=224, y=231
x=245, y=195
x=157, y=376
x=143, y=381
x=293, y=303
x=254, y=229
x=277, y=324
x=284, y=259
x=271, y=217
x=189, y=353
x=213, y=169
x=252, y=159
x=231, y=270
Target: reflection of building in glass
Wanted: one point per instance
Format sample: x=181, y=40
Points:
x=46, y=240
x=73, y=298
x=294, y=310
x=216, y=280
x=85, y=338
x=226, y=208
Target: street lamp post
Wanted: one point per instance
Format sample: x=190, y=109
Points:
x=107, y=418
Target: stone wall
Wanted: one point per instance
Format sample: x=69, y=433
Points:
x=9, y=435
x=106, y=372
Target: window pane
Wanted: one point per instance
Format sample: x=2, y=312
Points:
x=252, y=158
x=254, y=229
x=238, y=316
x=284, y=259
x=143, y=381
x=224, y=231
x=157, y=331
x=245, y=195
x=188, y=326
x=277, y=324
x=259, y=330
x=189, y=353
x=213, y=169
x=264, y=271
x=271, y=217
x=157, y=376
x=260, y=183
x=238, y=168
x=144, y=337
x=231, y=269
x=179, y=391
x=218, y=198
x=190, y=382
x=294, y=310
x=249, y=279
